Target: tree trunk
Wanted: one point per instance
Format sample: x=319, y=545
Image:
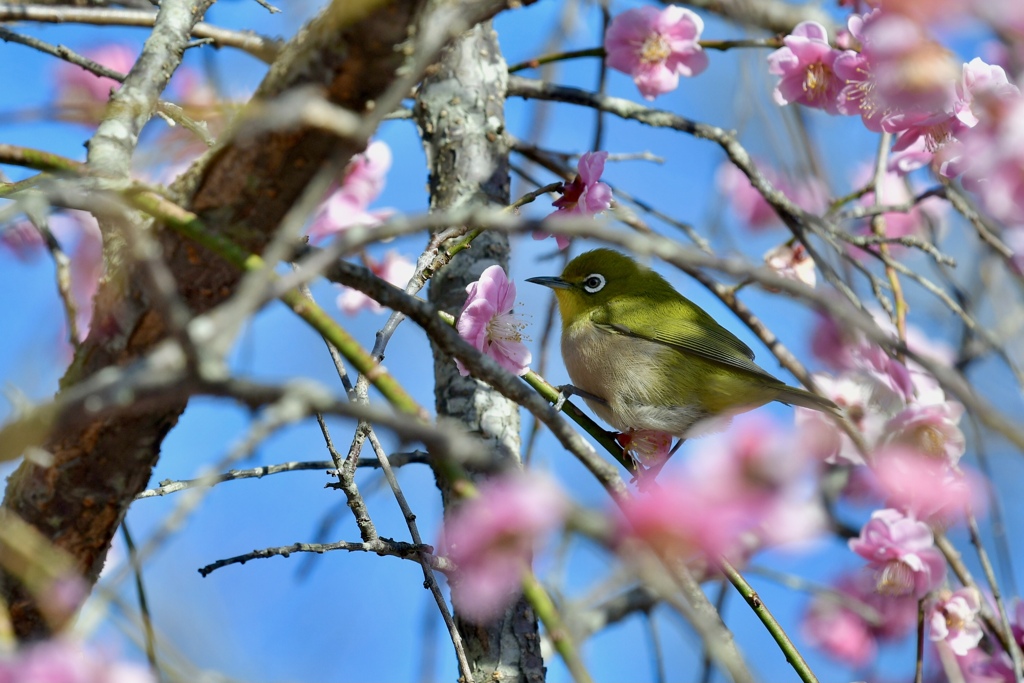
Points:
x=460, y=111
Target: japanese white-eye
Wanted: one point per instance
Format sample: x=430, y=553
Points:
x=643, y=356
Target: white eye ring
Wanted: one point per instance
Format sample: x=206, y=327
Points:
x=594, y=283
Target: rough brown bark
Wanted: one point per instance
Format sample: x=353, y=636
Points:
x=243, y=190
x=461, y=113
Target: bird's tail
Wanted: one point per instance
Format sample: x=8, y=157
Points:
x=805, y=399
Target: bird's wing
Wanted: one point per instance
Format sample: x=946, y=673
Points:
x=690, y=331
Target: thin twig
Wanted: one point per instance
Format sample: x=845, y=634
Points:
x=168, y=486
x=140, y=592
x=997, y=596
x=381, y=546
x=265, y=49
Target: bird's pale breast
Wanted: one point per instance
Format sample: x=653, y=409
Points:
x=630, y=374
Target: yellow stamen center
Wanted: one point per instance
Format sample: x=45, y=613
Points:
x=655, y=49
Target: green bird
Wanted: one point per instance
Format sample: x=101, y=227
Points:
x=644, y=357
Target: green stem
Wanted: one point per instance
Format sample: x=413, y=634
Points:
x=603, y=437
x=730, y=44
x=542, y=604
x=793, y=656
x=557, y=57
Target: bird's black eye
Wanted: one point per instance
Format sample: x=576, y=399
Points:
x=594, y=283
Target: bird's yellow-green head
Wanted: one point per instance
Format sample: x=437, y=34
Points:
x=596, y=277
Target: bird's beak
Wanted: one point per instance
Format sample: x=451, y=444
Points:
x=552, y=282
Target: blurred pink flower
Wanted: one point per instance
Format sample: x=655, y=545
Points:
x=923, y=487
x=953, y=618
x=930, y=429
x=395, y=269
x=66, y=661
x=990, y=156
x=62, y=598
x=899, y=81
x=585, y=196
x=857, y=97
x=23, y=240
x=752, y=208
x=79, y=88
x=348, y=204
x=893, y=191
x=648, y=446
x=913, y=74
x=869, y=401
x=742, y=483
x=792, y=262
x=86, y=267
x=806, y=66
x=902, y=552
x=656, y=47
x=491, y=540
x=681, y=518
x=844, y=633
x=78, y=235
x=487, y=322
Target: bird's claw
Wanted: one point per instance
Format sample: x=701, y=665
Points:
x=562, y=398
x=567, y=390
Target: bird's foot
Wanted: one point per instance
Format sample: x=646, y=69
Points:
x=567, y=390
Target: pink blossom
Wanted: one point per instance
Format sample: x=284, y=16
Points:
x=806, y=66
x=67, y=661
x=991, y=156
x=749, y=204
x=912, y=72
x=901, y=80
x=954, y=619
x=487, y=322
x=849, y=635
x=902, y=552
x=857, y=97
x=656, y=47
x=869, y=400
x=792, y=262
x=348, y=204
x=585, y=196
x=746, y=482
x=83, y=89
x=924, y=135
x=926, y=488
x=673, y=520
x=491, y=540
x=931, y=430
x=395, y=269
x=648, y=446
